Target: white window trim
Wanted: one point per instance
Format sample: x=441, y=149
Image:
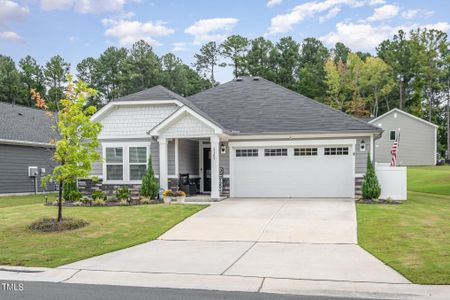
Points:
x=390, y=131
x=126, y=160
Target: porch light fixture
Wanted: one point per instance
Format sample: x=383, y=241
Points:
x=223, y=149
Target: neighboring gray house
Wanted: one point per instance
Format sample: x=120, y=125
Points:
x=418, y=139
x=25, y=135
x=245, y=138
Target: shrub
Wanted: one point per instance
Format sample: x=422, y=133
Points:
x=74, y=196
x=77, y=203
x=150, y=185
x=85, y=200
x=98, y=194
x=52, y=225
x=145, y=201
x=68, y=189
x=122, y=193
x=98, y=202
x=123, y=202
x=371, y=188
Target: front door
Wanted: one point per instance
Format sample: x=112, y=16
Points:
x=207, y=169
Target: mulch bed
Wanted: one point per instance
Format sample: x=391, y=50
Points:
x=379, y=201
x=107, y=203
x=52, y=225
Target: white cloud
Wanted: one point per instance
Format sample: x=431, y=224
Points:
x=376, y=2
x=272, y=3
x=384, y=12
x=10, y=35
x=211, y=29
x=128, y=32
x=416, y=13
x=331, y=14
x=284, y=22
x=83, y=6
x=12, y=11
x=179, y=47
x=367, y=37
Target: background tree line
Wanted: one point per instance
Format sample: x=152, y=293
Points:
x=410, y=71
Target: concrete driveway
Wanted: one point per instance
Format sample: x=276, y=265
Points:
x=248, y=240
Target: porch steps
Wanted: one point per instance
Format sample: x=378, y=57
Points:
x=358, y=186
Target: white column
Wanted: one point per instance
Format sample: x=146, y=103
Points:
x=215, y=193
x=163, y=163
x=177, y=166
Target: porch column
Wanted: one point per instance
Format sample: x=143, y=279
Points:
x=215, y=193
x=163, y=163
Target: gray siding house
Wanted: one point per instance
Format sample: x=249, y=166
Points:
x=248, y=137
x=25, y=135
x=417, y=139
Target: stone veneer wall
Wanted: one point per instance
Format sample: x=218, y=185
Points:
x=87, y=186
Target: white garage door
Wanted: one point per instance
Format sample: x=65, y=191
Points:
x=303, y=171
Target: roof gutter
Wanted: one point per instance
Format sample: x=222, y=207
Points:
x=26, y=143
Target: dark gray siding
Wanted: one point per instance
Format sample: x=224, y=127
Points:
x=14, y=163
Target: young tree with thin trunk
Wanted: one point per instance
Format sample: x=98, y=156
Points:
x=78, y=137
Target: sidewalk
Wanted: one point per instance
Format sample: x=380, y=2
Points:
x=230, y=283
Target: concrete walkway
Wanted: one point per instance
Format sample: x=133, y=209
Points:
x=304, y=246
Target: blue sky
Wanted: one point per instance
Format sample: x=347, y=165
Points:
x=77, y=29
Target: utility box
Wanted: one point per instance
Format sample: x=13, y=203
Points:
x=33, y=171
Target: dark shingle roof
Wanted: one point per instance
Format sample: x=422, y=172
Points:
x=20, y=123
x=261, y=106
x=161, y=93
x=154, y=93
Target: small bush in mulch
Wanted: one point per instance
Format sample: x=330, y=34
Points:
x=378, y=201
x=52, y=225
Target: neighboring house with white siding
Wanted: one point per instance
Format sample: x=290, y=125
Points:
x=245, y=138
x=417, y=139
x=25, y=135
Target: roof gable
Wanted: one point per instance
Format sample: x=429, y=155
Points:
x=397, y=110
x=255, y=105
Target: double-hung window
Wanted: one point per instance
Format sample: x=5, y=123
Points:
x=125, y=162
x=114, y=163
x=138, y=162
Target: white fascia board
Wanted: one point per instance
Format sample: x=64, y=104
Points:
x=179, y=113
x=113, y=104
x=406, y=114
x=292, y=143
x=26, y=143
x=297, y=136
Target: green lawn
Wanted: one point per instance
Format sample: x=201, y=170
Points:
x=414, y=237
x=6, y=201
x=433, y=180
x=110, y=228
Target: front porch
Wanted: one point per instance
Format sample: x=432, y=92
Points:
x=197, y=146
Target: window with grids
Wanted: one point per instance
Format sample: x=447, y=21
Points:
x=305, y=152
x=114, y=163
x=138, y=162
x=246, y=152
x=275, y=152
x=336, y=151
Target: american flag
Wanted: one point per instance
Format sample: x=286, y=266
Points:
x=394, y=150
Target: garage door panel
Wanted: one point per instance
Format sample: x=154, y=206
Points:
x=293, y=176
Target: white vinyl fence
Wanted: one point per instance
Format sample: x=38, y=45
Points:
x=392, y=181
